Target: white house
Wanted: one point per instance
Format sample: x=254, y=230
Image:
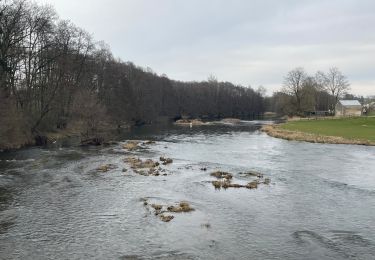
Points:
x=348, y=108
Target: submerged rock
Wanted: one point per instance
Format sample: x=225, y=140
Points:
x=149, y=164
x=252, y=173
x=153, y=172
x=182, y=207
x=140, y=172
x=157, y=206
x=222, y=175
x=131, y=145
x=217, y=184
x=133, y=161
x=267, y=181
x=166, y=218
x=206, y=225
x=233, y=185
x=165, y=160
x=145, y=201
x=225, y=184
x=148, y=142
x=225, y=180
x=95, y=141
x=252, y=185
x=106, y=167
x=110, y=143
x=136, y=163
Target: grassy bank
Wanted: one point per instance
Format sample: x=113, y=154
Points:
x=359, y=130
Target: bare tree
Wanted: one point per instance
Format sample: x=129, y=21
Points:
x=293, y=85
x=52, y=74
x=321, y=80
x=335, y=83
x=212, y=78
x=13, y=26
x=89, y=113
x=261, y=90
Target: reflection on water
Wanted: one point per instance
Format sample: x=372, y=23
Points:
x=320, y=204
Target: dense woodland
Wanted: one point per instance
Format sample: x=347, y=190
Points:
x=53, y=75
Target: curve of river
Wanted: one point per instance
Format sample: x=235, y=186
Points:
x=320, y=203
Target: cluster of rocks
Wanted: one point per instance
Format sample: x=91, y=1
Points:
x=222, y=175
x=165, y=161
x=135, y=144
x=224, y=180
x=131, y=145
x=149, y=167
x=164, y=211
x=146, y=167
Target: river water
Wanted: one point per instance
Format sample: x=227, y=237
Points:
x=320, y=203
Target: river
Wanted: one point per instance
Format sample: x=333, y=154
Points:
x=320, y=203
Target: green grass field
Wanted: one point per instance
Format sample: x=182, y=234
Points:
x=361, y=128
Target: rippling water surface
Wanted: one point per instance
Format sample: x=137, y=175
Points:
x=320, y=203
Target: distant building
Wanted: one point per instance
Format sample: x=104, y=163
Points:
x=368, y=108
x=348, y=108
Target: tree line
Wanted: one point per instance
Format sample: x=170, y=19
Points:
x=303, y=93
x=53, y=75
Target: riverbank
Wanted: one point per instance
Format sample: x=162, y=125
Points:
x=76, y=131
x=27, y=140
x=22, y=138
x=359, y=131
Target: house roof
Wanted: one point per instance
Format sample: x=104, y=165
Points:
x=350, y=103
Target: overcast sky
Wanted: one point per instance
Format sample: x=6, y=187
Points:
x=245, y=42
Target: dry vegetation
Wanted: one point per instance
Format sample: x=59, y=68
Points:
x=164, y=211
x=225, y=180
x=166, y=218
x=146, y=167
x=222, y=175
x=225, y=184
x=181, y=207
x=131, y=145
x=278, y=132
x=252, y=173
x=12, y=125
